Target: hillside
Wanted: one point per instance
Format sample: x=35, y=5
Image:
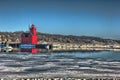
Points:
x=61, y=38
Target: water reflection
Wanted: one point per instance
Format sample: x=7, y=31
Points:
x=31, y=50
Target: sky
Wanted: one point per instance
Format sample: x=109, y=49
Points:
x=99, y=18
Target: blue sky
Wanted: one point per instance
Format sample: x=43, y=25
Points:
x=99, y=18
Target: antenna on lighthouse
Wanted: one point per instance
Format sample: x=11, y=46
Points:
x=29, y=27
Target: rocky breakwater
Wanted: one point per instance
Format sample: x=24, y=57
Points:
x=84, y=47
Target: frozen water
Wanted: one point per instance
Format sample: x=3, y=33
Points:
x=21, y=64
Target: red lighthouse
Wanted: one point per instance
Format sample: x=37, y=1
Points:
x=29, y=39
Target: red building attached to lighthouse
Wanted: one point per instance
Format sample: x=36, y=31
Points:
x=29, y=40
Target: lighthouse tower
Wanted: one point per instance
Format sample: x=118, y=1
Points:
x=33, y=34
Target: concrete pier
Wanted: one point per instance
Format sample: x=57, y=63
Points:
x=70, y=47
